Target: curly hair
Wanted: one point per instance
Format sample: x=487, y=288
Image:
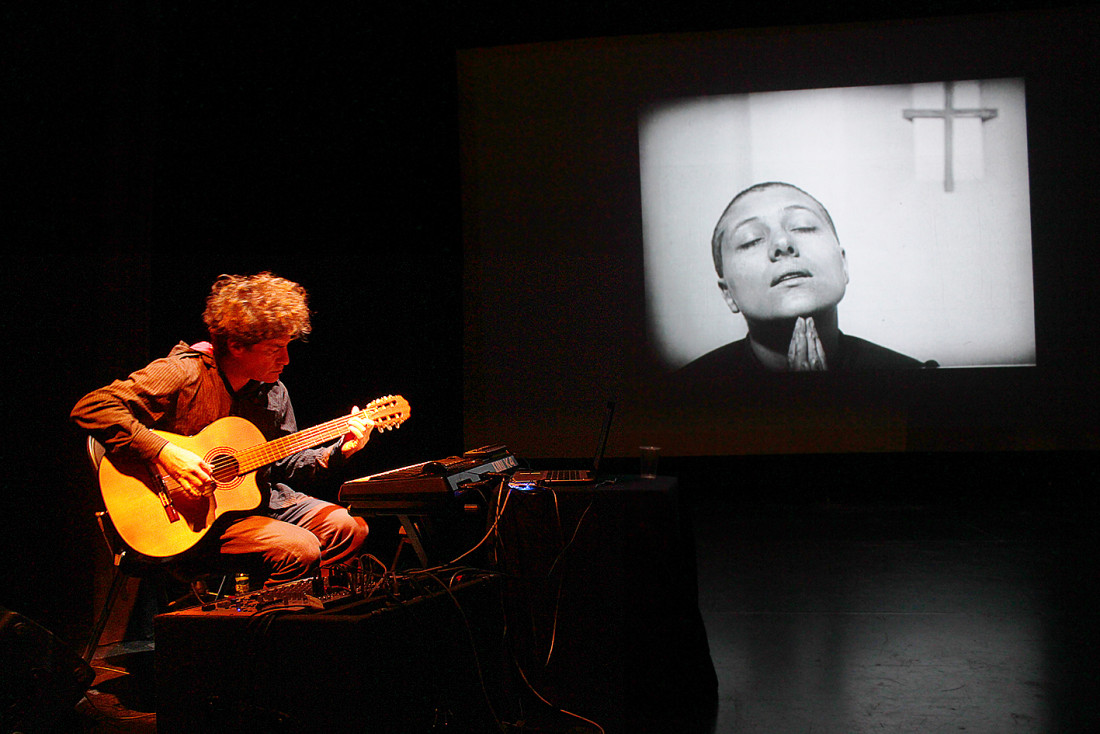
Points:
x=248, y=309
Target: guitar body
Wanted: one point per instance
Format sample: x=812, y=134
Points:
x=155, y=517
x=135, y=495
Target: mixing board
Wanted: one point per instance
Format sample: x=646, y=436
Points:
x=303, y=595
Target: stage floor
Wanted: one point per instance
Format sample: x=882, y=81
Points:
x=902, y=619
x=852, y=619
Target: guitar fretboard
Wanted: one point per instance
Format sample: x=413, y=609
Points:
x=386, y=413
x=255, y=457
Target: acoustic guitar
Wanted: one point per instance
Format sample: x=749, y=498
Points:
x=156, y=517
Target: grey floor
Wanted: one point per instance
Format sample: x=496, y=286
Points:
x=900, y=619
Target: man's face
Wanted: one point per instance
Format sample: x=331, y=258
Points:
x=263, y=361
x=780, y=257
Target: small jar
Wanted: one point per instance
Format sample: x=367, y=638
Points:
x=241, y=584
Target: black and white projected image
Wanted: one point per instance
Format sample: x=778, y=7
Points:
x=902, y=240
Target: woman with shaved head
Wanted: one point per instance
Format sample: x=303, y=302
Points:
x=781, y=266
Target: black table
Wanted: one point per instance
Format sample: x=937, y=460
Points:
x=601, y=602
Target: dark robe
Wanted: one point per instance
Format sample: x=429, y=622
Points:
x=852, y=355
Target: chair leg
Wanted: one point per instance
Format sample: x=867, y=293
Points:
x=117, y=581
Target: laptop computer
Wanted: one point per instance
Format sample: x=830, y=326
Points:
x=555, y=477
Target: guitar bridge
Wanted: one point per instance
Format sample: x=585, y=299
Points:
x=170, y=511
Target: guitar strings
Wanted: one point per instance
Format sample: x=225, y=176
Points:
x=257, y=456
x=228, y=466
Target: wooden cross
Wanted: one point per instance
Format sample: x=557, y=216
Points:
x=949, y=113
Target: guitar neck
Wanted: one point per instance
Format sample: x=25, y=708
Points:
x=259, y=456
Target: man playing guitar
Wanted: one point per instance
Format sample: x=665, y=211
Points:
x=278, y=530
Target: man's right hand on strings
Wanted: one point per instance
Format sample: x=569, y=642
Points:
x=187, y=468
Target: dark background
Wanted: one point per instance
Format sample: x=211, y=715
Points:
x=149, y=147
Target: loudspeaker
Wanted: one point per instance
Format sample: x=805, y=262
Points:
x=420, y=660
x=41, y=678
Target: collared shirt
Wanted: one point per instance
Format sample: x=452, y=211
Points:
x=185, y=392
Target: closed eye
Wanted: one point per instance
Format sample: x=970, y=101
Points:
x=750, y=243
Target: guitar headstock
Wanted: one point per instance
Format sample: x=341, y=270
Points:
x=387, y=412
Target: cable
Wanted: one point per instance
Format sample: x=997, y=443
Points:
x=473, y=649
x=561, y=577
x=572, y=538
x=505, y=634
x=543, y=699
x=455, y=572
x=488, y=534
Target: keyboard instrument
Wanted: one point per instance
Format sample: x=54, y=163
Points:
x=426, y=485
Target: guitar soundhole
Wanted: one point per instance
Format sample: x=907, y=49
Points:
x=226, y=469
